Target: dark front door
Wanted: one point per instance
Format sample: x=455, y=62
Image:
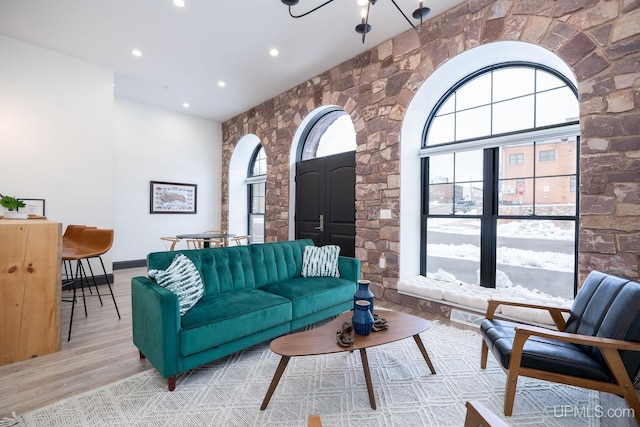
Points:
x=325, y=201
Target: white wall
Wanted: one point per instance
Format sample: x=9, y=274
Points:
x=64, y=139
x=153, y=144
x=56, y=132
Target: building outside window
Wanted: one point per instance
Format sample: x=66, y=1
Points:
x=547, y=156
x=491, y=214
x=516, y=159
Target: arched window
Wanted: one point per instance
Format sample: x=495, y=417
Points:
x=499, y=154
x=331, y=132
x=256, y=182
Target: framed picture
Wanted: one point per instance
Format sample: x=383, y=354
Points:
x=172, y=197
x=33, y=206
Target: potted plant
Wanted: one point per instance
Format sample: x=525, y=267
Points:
x=12, y=204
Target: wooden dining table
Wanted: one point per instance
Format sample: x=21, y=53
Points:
x=206, y=237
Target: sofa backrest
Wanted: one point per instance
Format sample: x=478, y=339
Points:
x=273, y=262
x=608, y=306
x=238, y=267
x=221, y=269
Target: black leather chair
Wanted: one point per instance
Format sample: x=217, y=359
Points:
x=597, y=347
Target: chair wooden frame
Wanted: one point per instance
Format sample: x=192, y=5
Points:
x=480, y=415
x=239, y=239
x=199, y=243
x=609, y=347
x=173, y=240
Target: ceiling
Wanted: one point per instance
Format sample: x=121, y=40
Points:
x=187, y=51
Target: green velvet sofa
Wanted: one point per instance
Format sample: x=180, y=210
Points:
x=252, y=293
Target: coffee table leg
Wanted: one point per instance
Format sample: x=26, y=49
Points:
x=367, y=377
x=274, y=382
x=424, y=352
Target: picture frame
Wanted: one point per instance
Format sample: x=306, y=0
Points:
x=33, y=206
x=172, y=198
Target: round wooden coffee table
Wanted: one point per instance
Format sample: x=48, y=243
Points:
x=322, y=340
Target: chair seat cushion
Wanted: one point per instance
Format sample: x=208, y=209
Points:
x=218, y=319
x=542, y=353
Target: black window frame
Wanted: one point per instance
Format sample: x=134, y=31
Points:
x=490, y=214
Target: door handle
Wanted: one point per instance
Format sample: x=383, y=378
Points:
x=321, y=219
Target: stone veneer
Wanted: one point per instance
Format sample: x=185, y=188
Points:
x=598, y=39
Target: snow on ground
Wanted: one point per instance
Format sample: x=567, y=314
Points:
x=508, y=256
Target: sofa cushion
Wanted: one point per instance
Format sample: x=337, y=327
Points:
x=226, y=317
x=320, y=261
x=181, y=278
x=277, y=261
x=309, y=295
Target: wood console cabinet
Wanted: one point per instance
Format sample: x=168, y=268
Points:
x=30, y=288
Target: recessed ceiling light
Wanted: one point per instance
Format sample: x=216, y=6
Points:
x=136, y=52
x=186, y=105
x=221, y=83
x=274, y=52
x=179, y=3
x=362, y=2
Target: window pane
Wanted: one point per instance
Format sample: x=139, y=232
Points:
x=537, y=255
x=441, y=169
x=339, y=137
x=556, y=106
x=258, y=198
x=473, y=123
x=546, y=81
x=256, y=228
x=453, y=249
x=515, y=197
x=516, y=161
x=260, y=163
x=331, y=133
x=512, y=82
x=556, y=157
x=441, y=199
x=554, y=196
x=512, y=115
x=474, y=93
x=442, y=130
x=469, y=166
x=449, y=106
x=471, y=201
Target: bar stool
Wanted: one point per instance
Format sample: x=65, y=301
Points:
x=93, y=243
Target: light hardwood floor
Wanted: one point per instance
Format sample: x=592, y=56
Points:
x=100, y=352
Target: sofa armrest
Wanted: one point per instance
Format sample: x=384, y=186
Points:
x=554, y=311
x=349, y=268
x=155, y=320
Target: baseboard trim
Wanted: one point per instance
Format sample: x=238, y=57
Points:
x=120, y=265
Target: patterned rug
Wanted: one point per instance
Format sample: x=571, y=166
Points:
x=229, y=392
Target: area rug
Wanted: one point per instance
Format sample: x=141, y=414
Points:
x=230, y=391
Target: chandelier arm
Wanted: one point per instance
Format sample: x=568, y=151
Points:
x=312, y=10
x=402, y=13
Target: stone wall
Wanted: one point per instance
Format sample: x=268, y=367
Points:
x=598, y=39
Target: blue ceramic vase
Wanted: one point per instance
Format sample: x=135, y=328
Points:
x=363, y=293
x=362, y=319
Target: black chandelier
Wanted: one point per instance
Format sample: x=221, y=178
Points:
x=364, y=27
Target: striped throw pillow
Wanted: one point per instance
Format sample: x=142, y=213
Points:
x=320, y=261
x=181, y=278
